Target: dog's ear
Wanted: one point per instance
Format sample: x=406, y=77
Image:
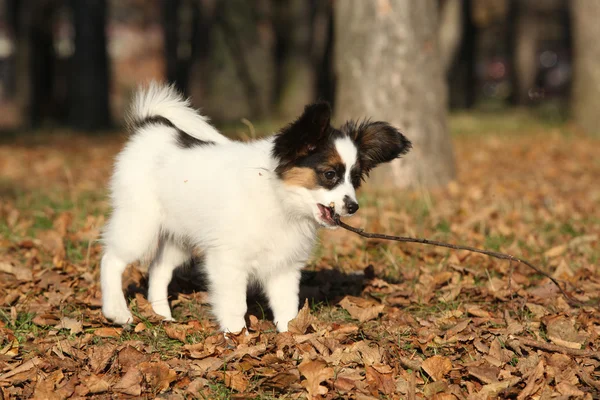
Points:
x=377, y=142
x=302, y=136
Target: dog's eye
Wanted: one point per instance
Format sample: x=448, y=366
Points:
x=329, y=175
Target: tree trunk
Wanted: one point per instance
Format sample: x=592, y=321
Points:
x=527, y=37
x=450, y=31
x=293, y=64
x=586, y=79
x=322, y=49
x=389, y=69
x=89, y=87
x=461, y=77
x=180, y=25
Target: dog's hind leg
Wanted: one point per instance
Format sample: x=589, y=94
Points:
x=169, y=257
x=129, y=236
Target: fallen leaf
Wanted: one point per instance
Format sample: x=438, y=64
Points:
x=361, y=309
x=96, y=384
x=437, y=366
x=52, y=241
x=26, y=366
x=130, y=383
x=177, y=332
x=485, y=373
x=108, y=332
x=382, y=382
x=534, y=382
x=11, y=349
x=158, y=375
x=561, y=330
x=130, y=357
x=100, y=357
x=315, y=372
x=72, y=324
x=236, y=381
x=21, y=272
x=303, y=320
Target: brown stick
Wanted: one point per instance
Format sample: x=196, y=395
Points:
x=494, y=254
x=557, y=349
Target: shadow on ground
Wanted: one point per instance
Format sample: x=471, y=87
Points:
x=318, y=287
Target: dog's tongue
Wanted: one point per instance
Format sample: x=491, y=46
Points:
x=325, y=212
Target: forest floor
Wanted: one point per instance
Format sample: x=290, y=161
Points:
x=382, y=319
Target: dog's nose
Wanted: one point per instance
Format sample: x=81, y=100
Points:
x=351, y=205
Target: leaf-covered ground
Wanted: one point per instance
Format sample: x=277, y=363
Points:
x=381, y=320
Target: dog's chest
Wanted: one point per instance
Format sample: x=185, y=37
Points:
x=282, y=247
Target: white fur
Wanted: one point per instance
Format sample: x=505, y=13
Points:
x=225, y=199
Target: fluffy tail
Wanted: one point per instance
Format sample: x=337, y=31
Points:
x=165, y=101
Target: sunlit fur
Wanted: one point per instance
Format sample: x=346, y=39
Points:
x=180, y=186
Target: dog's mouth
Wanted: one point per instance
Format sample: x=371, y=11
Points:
x=327, y=214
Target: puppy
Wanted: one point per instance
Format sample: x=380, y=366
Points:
x=254, y=209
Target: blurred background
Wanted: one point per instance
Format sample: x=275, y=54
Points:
x=74, y=64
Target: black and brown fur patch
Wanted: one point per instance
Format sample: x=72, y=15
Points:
x=307, y=154
x=184, y=139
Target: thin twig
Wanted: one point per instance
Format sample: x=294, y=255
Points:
x=489, y=253
x=557, y=349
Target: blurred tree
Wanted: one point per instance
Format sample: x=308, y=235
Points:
x=389, y=69
x=181, y=19
x=586, y=79
x=89, y=84
x=450, y=31
x=32, y=25
x=321, y=48
x=293, y=64
x=459, y=59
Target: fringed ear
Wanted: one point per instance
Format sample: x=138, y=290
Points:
x=377, y=142
x=302, y=136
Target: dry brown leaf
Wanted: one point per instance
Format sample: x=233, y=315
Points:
x=437, y=366
x=96, y=384
x=361, y=309
x=52, y=241
x=303, y=320
x=556, y=251
x=44, y=388
x=534, y=382
x=281, y=381
x=380, y=382
x=129, y=357
x=21, y=272
x=485, y=373
x=177, y=332
x=108, y=332
x=100, y=356
x=236, y=380
x=567, y=389
x=35, y=362
x=130, y=383
x=72, y=324
x=561, y=330
x=158, y=375
x=145, y=309
x=315, y=372
x=11, y=350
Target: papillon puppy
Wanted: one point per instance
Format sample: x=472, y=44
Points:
x=252, y=208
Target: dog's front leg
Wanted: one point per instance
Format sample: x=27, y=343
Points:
x=228, y=281
x=282, y=289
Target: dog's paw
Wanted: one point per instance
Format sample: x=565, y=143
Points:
x=118, y=315
x=163, y=310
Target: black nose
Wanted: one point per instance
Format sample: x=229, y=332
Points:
x=350, y=204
